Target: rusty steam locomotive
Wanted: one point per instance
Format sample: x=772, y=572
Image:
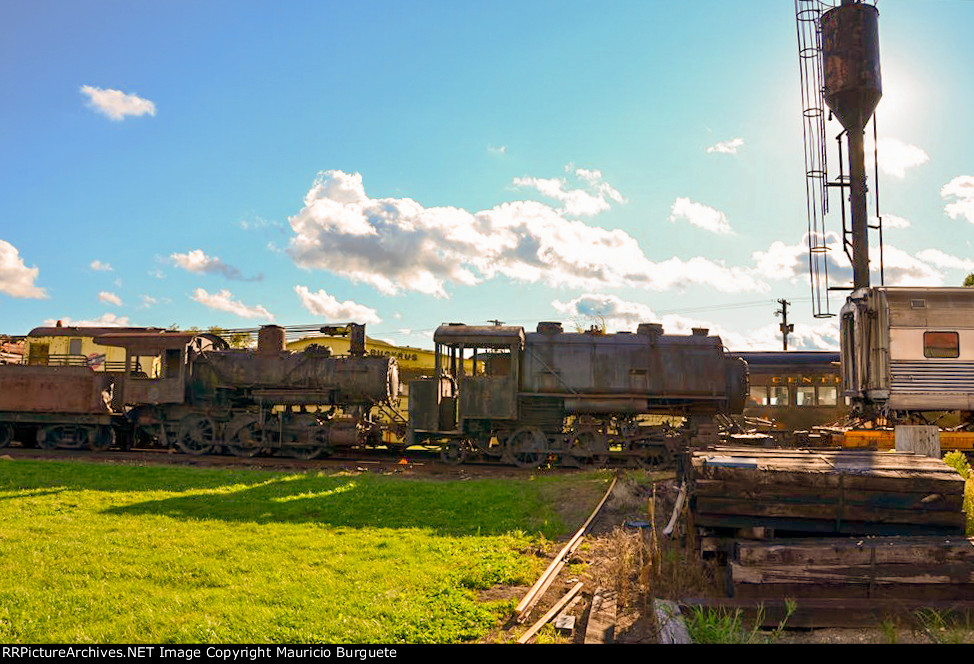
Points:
x=496, y=391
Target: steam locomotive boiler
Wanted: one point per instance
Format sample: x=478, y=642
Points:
x=203, y=396
x=580, y=397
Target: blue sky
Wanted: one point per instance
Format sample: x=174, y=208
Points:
x=409, y=163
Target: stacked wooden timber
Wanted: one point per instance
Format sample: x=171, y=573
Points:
x=825, y=492
x=879, y=568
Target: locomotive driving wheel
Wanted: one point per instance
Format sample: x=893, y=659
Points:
x=527, y=447
x=102, y=438
x=67, y=436
x=652, y=454
x=247, y=438
x=590, y=446
x=196, y=435
x=454, y=452
x=6, y=434
x=317, y=437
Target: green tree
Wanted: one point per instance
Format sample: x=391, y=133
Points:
x=969, y=280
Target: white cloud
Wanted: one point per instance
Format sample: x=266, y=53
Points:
x=623, y=315
x=116, y=104
x=98, y=266
x=224, y=301
x=891, y=221
x=396, y=245
x=961, y=188
x=726, y=147
x=498, y=151
x=16, y=279
x=323, y=304
x=896, y=157
x=110, y=298
x=945, y=260
x=198, y=262
x=105, y=320
x=700, y=215
x=577, y=202
x=784, y=261
x=148, y=301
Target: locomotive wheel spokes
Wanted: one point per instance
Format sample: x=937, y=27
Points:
x=196, y=435
x=102, y=438
x=246, y=440
x=652, y=456
x=6, y=434
x=591, y=447
x=454, y=452
x=527, y=448
x=316, y=446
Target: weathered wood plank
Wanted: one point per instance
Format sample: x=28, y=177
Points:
x=786, y=493
x=959, y=592
x=881, y=574
x=790, y=525
x=601, y=624
x=942, y=483
x=855, y=551
x=823, y=511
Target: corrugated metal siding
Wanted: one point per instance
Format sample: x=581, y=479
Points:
x=926, y=377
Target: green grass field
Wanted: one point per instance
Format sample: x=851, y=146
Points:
x=123, y=554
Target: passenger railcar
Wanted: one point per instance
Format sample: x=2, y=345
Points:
x=794, y=390
x=908, y=351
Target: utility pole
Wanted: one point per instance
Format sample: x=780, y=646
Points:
x=785, y=328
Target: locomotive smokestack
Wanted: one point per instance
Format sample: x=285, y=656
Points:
x=853, y=88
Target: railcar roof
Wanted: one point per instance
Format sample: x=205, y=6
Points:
x=87, y=331
x=482, y=336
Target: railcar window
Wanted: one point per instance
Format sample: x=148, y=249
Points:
x=941, y=344
x=805, y=396
x=779, y=395
x=759, y=395
x=828, y=396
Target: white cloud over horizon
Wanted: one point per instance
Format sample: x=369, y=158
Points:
x=16, y=279
x=115, y=104
x=790, y=261
x=398, y=245
x=105, y=320
x=223, y=301
x=323, y=304
x=622, y=315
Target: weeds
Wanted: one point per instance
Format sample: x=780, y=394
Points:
x=723, y=626
x=941, y=628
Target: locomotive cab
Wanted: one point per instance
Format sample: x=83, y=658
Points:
x=156, y=364
x=476, y=378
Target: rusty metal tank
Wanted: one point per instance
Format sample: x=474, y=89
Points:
x=644, y=372
x=310, y=377
x=850, y=46
x=61, y=390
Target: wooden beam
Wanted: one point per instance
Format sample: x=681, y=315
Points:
x=551, y=613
